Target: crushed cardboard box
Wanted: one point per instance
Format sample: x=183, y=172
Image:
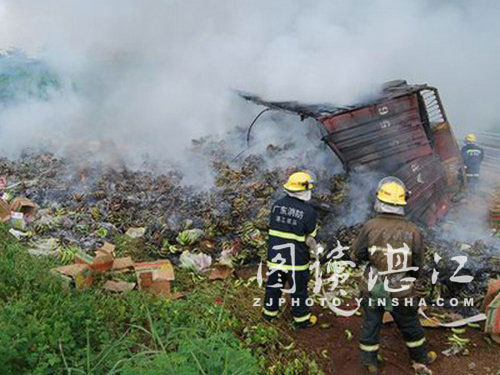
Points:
x=492, y=309
x=107, y=248
x=102, y=262
x=220, y=272
x=491, y=293
x=80, y=274
x=160, y=269
x=26, y=206
x=161, y=288
x=5, y=211
x=123, y=264
x=492, y=324
x=118, y=286
x=155, y=276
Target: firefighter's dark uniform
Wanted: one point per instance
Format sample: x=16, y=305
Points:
x=292, y=220
x=371, y=246
x=472, y=156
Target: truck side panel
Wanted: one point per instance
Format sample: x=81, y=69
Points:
x=379, y=136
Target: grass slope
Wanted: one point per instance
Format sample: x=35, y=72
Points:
x=46, y=328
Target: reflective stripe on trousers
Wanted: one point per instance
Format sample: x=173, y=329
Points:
x=299, y=279
x=300, y=319
x=286, y=267
x=416, y=344
x=369, y=348
x=270, y=313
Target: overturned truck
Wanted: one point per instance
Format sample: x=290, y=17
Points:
x=403, y=132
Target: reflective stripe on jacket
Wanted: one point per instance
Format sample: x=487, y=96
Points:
x=472, y=156
x=291, y=221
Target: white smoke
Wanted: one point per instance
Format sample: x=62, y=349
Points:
x=153, y=74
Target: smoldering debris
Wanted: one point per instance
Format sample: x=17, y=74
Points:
x=81, y=206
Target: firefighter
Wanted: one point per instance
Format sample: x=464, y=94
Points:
x=472, y=156
x=392, y=246
x=291, y=236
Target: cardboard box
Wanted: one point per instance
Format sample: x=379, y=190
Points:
x=5, y=211
x=492, y=312
x=108, y=248
x=220, y=272
x=145, y=280
x=155, y=276
x=123, y=264
x=27, y=207
x=492, y=291
x=81, y=274
x=82, y=257
x=118, y=286
x=160, y=269
x=102, y=262
x=161, y=288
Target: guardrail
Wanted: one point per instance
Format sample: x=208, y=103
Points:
x=490, y=142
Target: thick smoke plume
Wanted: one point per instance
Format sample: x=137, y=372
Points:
x=151, y=75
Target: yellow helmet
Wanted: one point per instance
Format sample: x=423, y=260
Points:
x=299, y=181
x=393, y=191
x=470, y=137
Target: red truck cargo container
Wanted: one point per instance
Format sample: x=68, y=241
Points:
x=403, y=132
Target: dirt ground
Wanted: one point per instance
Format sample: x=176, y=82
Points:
x=344, y=355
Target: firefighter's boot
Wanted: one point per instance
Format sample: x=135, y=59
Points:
x=311, y=322
x=372, y=369
x=270, y=316
x=369, y=361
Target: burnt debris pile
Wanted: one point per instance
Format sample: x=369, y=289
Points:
x=155, y=216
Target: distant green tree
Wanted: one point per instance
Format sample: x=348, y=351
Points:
x=23, y=78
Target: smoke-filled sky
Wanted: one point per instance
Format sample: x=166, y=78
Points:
x=152, y=74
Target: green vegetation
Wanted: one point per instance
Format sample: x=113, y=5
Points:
x=23, y=78
x=49, y=328
x=46, y=328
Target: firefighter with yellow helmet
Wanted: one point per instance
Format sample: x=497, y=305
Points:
x=392, y=246
x=292, y=229
x=472, y=156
